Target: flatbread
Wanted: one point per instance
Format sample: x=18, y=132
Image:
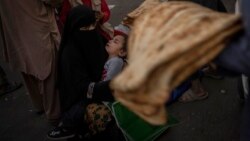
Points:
x=128, y=20
x=166, y=45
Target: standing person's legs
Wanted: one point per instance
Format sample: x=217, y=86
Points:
x=43, y=93
x=32, y=85
x=245, y=125
x=51, y=101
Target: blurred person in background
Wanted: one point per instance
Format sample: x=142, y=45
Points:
x=31, y=40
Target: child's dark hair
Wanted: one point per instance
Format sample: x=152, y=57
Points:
x=124, y=45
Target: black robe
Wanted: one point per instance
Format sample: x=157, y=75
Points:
x=81, y=59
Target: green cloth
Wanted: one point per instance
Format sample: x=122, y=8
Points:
x=136, y=129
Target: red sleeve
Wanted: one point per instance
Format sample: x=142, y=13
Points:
x=105, y=10
x=65, y=10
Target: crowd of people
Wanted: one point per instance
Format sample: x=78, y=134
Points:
x=65, y=74
x=67, y=60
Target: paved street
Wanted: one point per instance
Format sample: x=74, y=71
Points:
x=214, y=119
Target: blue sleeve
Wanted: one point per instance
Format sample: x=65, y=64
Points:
x=236, y=55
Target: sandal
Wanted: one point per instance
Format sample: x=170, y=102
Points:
x=189, y=96
x=10, y=88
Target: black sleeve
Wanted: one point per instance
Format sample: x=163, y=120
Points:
x=102, y=92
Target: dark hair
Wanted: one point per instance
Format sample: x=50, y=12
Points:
x=124, y=45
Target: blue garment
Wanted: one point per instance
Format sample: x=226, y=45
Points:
x=236, y=58
x=236, y=55
x=176, y=93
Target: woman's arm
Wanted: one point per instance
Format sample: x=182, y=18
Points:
x=102, y=91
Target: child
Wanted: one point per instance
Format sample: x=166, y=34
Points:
x=116, y=48
x=117, y=51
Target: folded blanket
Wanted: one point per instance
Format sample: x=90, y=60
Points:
x=166, y=45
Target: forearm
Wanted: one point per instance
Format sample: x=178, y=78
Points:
x=100, y=92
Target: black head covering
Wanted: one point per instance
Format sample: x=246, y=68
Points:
x=81, y=57
x=78, y=17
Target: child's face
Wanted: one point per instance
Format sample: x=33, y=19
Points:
x=115, y=46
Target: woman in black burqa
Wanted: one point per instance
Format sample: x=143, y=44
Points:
x=81, y=59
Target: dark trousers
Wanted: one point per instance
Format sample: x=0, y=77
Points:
x=3, y=79
x=74, y=118
x=245, y=125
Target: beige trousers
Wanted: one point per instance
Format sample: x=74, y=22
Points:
x=43, y=93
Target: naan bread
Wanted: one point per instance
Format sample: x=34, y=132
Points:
x=166, y=45
x=145, y=6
